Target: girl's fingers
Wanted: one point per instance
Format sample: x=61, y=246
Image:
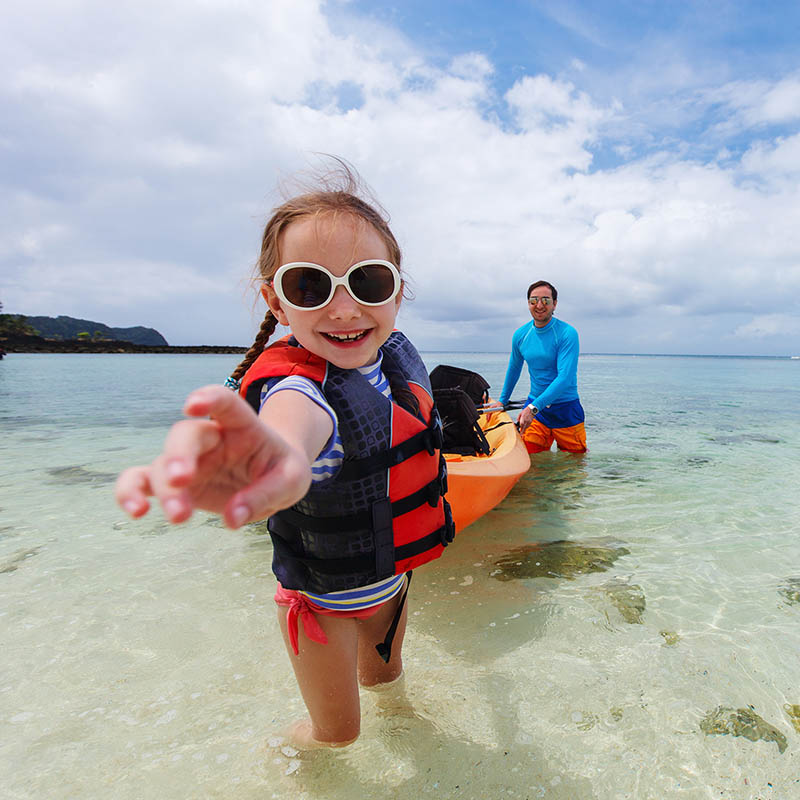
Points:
x=177, y=507
x=135, y=485
x=194, y=450
x=132, y=490
x=186, y=442
x=276, y=489
x=176, y=501
x=222, y=405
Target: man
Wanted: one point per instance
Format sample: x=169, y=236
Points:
x=550, y=349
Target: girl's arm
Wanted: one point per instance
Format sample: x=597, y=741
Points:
x=243, y=466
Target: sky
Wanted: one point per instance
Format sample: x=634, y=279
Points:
x=644, y=157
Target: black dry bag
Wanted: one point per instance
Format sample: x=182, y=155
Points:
x=456, y=393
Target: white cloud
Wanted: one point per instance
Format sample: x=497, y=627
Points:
x=543, y=103
x=761, y=102
x=777, y=163
x=141, y=167
x=764, y=325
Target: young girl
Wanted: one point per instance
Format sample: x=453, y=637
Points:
x=342, y=454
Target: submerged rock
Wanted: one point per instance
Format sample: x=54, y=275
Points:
x=11, y=564
x=744, y=722
x=69, y=476
x=628, y=599
x=670, y=637
x=791, y=591
x=793, y=712
x=560, y=559
x=740, y=438
x=584, y=720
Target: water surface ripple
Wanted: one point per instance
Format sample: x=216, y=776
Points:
x=625, y=625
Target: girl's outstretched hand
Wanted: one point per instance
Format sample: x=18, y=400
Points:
x=230, y=462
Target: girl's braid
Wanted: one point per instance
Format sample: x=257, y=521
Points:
x=264, y=332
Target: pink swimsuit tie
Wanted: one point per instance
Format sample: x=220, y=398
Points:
x=300, y=607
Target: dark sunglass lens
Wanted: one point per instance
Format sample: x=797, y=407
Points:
x=372, y=283
x=305, y=286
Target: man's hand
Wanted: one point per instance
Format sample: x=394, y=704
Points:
x=525, y=418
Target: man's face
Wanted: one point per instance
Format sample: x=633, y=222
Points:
x=541, y=305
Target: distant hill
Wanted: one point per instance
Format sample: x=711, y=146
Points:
x=68, y=328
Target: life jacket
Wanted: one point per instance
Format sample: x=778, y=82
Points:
x=384, y=511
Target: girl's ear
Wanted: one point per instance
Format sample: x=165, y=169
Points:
x=274, y=303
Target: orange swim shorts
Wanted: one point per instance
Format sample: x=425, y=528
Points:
x=539, y=437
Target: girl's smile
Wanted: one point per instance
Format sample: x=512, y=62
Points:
x=346, y=338
x=344, y=332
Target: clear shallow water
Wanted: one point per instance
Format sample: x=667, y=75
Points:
x=578, y=642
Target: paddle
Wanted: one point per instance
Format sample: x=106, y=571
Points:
x=511, y=405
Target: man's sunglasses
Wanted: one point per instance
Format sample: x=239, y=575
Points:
x=307, y=287
x=536, y=300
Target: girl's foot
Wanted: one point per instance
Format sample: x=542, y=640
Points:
x=391, y=699
x=300, y=734
x=397, y=683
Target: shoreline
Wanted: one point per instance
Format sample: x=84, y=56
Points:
x=37, y=344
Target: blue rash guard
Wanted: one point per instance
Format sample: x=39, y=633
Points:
x=551, y=354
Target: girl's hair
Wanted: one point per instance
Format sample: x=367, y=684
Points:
x=336, y=193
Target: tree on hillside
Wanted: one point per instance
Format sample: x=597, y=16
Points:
x=11, y=324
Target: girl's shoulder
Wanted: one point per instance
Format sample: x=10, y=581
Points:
x=297, y=383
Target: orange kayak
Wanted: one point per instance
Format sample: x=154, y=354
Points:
x=476, y=484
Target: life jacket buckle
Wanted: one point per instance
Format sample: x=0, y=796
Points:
x=442, y=476
x=434, y=493
x=448, y=531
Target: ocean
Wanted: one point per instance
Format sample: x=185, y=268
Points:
x=625, y=625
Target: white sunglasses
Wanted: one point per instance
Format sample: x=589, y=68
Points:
x=308, y=287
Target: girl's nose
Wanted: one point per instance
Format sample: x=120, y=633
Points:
x=342, y=305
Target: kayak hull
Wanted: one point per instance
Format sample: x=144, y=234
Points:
x=476, y=484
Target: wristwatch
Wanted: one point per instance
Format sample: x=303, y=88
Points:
x=533, y=409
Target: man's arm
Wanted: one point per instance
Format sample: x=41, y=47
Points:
x=513, y=371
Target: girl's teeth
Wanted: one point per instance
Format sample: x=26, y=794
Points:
x=346, y=337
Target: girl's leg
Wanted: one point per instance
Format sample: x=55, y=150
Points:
x=326, y=674
x=372, y=670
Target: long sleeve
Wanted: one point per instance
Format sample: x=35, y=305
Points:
x=513, y=371
x=568, y=349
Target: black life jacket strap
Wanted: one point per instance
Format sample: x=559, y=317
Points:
x=429, y=493
x=429, y=439
x=366, y=562
x=253, y=394
x=384, y=648
x=499, y=425
x=442, y=536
